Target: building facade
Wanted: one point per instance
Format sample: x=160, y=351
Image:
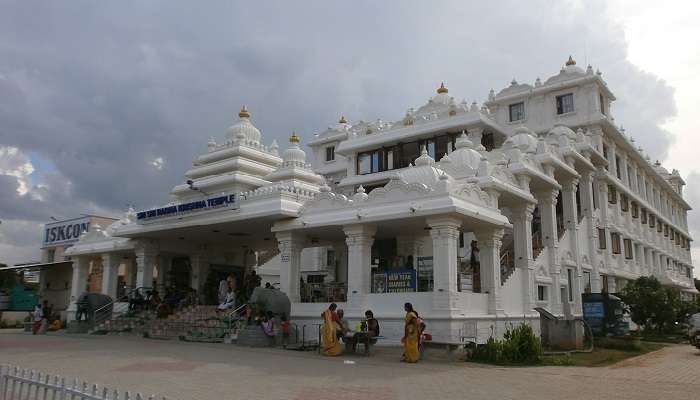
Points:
x=475, y=214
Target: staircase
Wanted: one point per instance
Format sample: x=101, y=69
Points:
x=266, y=255
x=197, y=324
x=507, y=261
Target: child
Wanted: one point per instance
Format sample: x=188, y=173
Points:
x=268, y=324
x=285, y=331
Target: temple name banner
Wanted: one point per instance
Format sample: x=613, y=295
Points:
x=223, y=201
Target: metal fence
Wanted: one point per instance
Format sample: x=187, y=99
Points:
x=24, y=384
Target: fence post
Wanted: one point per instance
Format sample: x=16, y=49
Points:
x=62, y=389
x=3, y=375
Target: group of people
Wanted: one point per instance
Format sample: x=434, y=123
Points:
x=335, y=328
x=229, y=294
x=163, y=307
x=43, y=319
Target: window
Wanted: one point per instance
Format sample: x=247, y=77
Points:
x=624, y=203
x=565, y=103
x=635, y=210
x=461, y=239
x=628, y=249
x=644, y=216
x=617, y=167
x=330, y=258
x=586, y=281
x=602, y=242
x=517, y=111
x=604, y=279
x=488, y=141
x=51, y=255
x=660, y=227
x=666, y=230
x=364, y=164
x=602, y=104
x=652, y=220
x=570, y=286
x=330, y=153
x=605, y=155
x=612, y=194
x=541, y=293
x=615, y=240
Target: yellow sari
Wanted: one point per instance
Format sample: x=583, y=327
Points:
x=412, y=338
x=329, y=342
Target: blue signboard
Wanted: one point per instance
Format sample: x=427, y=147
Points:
x=593, y=310
x=401, y=281
x=228, y=200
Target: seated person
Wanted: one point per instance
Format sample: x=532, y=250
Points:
x=343, y=327
x=268, y=324
x=154, y=300
x=229, y=301
x=370, y=330
x=163, y=310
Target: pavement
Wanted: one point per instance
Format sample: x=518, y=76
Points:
x=179, y=370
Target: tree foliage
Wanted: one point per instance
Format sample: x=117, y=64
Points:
x=8, y=279
x=654, y=306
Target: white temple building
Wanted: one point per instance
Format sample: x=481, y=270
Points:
x=470, y=212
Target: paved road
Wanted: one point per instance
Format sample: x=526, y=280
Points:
x=222, y=372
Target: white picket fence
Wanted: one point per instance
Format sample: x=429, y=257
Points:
x=23, y=384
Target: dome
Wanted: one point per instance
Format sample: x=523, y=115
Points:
x=294, y=155
x=465, y=153
x=243, y=129
x=442, y=97
x=561, y=130
x=660, y=168
x=522, y=139
x=569, y=71
x=424, y=159
x=426, y=175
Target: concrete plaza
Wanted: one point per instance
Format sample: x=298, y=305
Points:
x=181, y=370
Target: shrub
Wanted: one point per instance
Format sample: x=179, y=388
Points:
x=518, y=346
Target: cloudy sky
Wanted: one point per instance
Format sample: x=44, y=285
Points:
x=105, y=104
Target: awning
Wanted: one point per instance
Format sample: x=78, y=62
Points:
x=37, y=266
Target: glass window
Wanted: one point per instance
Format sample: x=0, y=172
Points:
x=615, y=239
x=586, y=282
x=602, y=242
x=410, y=151
x=375, y=161
x=330, y=153
x=441, y=144
x=330, y=257
x=390, y=159
x=612, y=194
x=602, y=104
x=565, y=103
x=541, y=293
x=517, y=111
x=430, y=148
x=644, y=215
x=628, y=249
x=364, y=164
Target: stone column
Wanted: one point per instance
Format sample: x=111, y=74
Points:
x=588, y=210
x=445, y=234
x=290, y=245
x=359, y=239
x=81, y=267
x=571, y=223
x=110, y=273
x=163, y=270
x=198, y=274
x=547, y=201
x=145, y=262
x=489, y=242
x=522, y=246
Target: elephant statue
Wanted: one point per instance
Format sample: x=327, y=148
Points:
x=270, y=300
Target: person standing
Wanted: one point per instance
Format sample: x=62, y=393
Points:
x=411, y=338
x=329, y=342
x=37, y=317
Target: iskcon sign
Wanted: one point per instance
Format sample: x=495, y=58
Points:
x=65, y=232
x=224, y=201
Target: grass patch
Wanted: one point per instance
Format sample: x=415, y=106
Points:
x=599, y=357
x=670, y=338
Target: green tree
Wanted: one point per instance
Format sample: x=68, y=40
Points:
x=652, y=305
x=8, y=279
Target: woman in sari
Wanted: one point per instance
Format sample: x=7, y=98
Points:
x=329, y=343
x=411, y=338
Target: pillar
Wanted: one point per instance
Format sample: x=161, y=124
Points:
x=588, y=210
x=445, y=235
x=290, y=245
x=359, y=239
x=145, y=263
x=522, y=246
x=81, y=267
x=489, y=241
x=571, y=223
x=110, y=273
x=547, y=201
x=198, y=274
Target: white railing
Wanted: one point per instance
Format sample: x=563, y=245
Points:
x=24, y=384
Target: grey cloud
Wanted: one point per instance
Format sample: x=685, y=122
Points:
x=100, y=89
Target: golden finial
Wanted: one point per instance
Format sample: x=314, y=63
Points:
x=570, y=61
x=343, y=120
x=442, y=88
x=244, y=113
x=294, y=139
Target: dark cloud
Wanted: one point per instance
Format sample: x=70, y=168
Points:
x=99, y=90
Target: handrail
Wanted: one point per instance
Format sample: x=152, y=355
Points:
x=102, y=309
x=232, y=314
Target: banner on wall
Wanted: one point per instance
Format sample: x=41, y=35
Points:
x=401, y=281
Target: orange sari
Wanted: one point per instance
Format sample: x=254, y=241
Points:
x=329, y=339
x=411, y=341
